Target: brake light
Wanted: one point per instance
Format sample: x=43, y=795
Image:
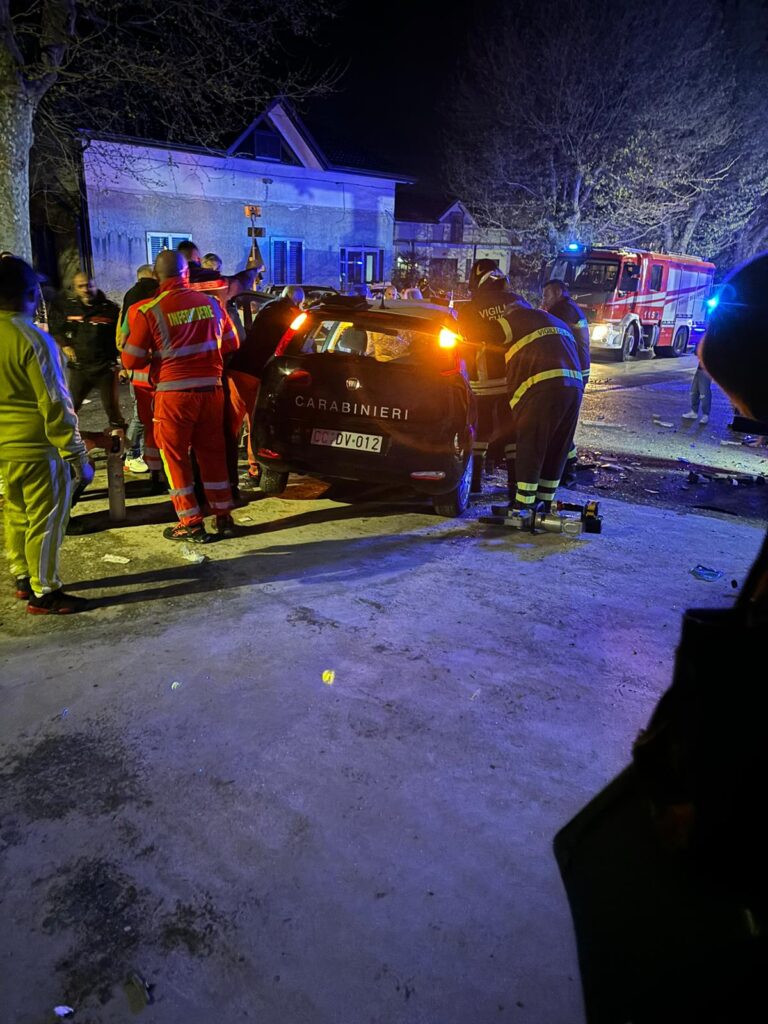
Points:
x=447, y=338
x=293, y=327
x=266, y=453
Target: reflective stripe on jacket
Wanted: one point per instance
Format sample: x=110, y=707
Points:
x=571, y=314
x=180, y=335
x=539, y=349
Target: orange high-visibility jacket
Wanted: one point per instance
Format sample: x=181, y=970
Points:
x=181, y=335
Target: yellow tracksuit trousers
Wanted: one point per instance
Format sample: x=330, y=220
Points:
x=37, y=503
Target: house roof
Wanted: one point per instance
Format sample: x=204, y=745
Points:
x=426, y=208
x=317, y=140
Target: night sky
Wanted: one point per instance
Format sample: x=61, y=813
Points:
x=400, y=70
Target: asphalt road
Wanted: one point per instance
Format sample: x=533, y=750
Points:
x=315, y=778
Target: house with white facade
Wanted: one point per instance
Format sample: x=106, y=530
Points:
x=323, y=223
x=443, y=239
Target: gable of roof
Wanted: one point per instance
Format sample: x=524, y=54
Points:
x=424, y=207
x=283, y=119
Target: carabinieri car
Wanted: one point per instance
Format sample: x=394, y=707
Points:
x=373, y=392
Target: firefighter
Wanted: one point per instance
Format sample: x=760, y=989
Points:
x=544, y=390
x=181, y=335
x=557, y=301
x=84, y=324
x=40, y=446
x=489, y=298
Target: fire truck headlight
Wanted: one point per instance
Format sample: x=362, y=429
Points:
x=599, y=332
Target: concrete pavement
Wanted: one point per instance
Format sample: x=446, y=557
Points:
x=185, y=796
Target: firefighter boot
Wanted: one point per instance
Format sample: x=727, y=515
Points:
x=569, y=473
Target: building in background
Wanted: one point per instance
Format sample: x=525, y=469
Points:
x=325, y=221
x=439, y=238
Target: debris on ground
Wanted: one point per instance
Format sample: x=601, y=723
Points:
x=138, y=992
x=662, y=423
x=176, y=685
x=329, y=676
x=117, y=559
x=730, y=444
x=63, y=1011
x=649, y=491
x=613, y=467
x=189, y=554
x=701, y=572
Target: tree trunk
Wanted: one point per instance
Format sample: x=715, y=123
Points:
x=684, y=239
x=17, y=109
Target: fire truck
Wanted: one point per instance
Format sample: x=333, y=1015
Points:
x=637, y=301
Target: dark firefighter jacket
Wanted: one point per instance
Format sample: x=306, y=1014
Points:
x=144, y=289
x=485, y=362
x=539, y=352
x=89, y=330
x=571, y=314
x=260, y=342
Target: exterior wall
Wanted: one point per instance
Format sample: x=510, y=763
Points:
x=432, y=241
x=134, y=189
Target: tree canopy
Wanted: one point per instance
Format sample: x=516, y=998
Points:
x=639, y=124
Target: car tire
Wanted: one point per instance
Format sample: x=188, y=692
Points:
x=271, y=482
x=455, y=502
x=478, y=468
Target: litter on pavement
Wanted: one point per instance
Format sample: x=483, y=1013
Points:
x=701, y=572
x=329, y=676
x=189, y=554
x=176, y=685
x=138, y=992
x=118, y=559
x=63, y=1011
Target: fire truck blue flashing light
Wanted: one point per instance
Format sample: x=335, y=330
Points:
x=712, y=303
x=573, y=247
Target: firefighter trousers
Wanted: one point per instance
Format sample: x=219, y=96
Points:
x=240, y=399
x=544, y=425
x=38, y=496
x=144, y=408
x=192, y=420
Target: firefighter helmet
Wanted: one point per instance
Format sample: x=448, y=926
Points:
x=486, y=274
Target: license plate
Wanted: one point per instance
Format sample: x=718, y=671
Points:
x=346, y=439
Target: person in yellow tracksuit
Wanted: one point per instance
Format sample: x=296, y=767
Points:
x=40, y=446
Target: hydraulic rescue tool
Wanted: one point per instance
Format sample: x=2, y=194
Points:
x=563, y=517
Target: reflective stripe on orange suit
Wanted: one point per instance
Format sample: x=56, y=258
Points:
x=181, y=335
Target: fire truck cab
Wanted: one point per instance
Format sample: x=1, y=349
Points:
x=637, y=301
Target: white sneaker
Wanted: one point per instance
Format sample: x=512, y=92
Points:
x=136, y=465
x=690, y=415
x=704, y=419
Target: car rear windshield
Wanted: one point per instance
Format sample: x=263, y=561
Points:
x=384, y=343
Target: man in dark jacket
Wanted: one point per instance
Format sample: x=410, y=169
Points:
x=85, y=326
x=142, y=454
x=244, y=369
x=557, y=302
x=544, y=390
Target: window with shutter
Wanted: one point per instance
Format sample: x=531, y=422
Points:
x=287, y=261
x=159, y=240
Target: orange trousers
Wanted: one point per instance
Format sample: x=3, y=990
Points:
x=193, y=420
x=144, y=401
x=242, y=392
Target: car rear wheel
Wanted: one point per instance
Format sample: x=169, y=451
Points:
x=272, y=483
x=455, y=502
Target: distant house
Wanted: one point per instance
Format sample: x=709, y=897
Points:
x=443, y=237
x=324, y=221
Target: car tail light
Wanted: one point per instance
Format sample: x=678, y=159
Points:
x=267, y=453
x=428, y=474
x=294, y=326
x=301, y=377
